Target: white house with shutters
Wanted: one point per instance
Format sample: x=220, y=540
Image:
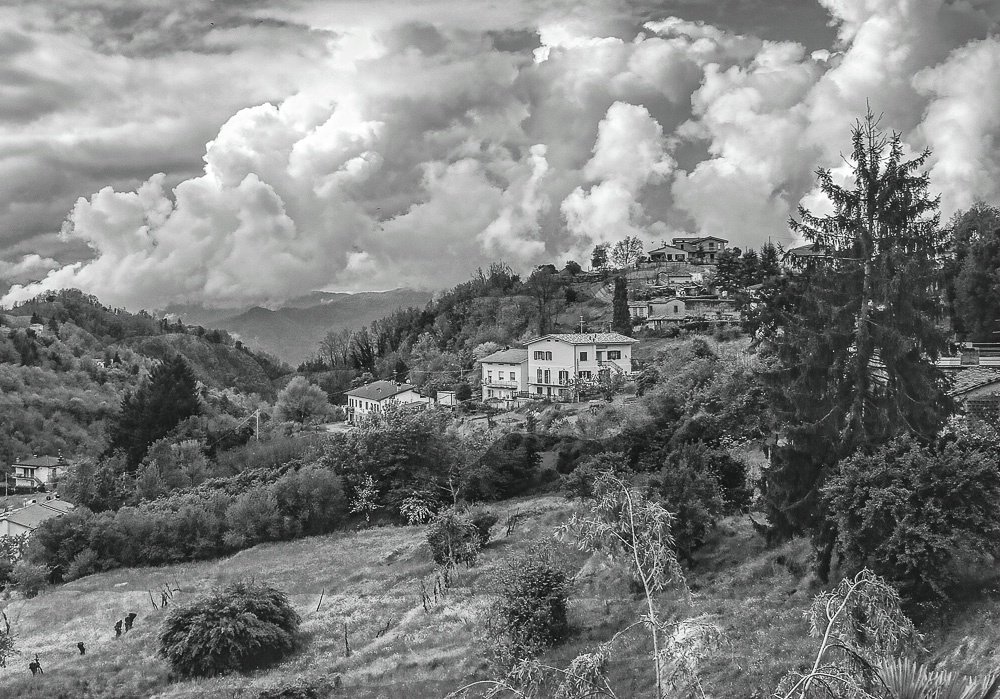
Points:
x=557, y=361
x=373, y=398
x=505, y=375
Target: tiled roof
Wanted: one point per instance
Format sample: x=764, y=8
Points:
x=379, y=390
x=507, y=356
x=698, y=239
x=971, y=378
x=665, y=248
x=37, y=461
x=33, y=515
x=587, y=338
x=809, y=250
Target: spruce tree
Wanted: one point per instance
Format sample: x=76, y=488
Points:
x=147, y=414
x=621, y=321
x=853, y=341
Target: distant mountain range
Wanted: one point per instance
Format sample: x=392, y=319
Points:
x=293, y=332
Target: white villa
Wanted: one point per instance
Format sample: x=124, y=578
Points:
x=505, y=374
x=37, y=471
x=556, y=361
x=373, y=397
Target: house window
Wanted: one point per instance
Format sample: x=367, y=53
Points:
x=489, y=394
x=548, y=376
x=538, y=375
x=584, y=374
x=583, y=356
x=489, y=377
x=614, y=354
x=513, y=377
x=563, y=377
x=677, y=309
x=548, y=355
x=711, y=246
x=543, y=355
x=539, y=390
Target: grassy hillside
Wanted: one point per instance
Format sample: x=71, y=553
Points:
x=370, y=582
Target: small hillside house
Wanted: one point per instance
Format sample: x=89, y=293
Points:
x=27, y=519
x=374, y=397
x=667, y=253
x=38, y=471
x=803, y=256
x=701, y=250
x=505, y=374
x=557, y=361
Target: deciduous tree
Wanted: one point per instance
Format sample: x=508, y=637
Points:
x=626, y=252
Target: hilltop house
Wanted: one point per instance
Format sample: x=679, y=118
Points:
x=556, y=361
x=28, y=518
x=800, y=257
x=373, y=398
x=701, y=250
x=667, y=253
x=36, y=472
x=505, y=374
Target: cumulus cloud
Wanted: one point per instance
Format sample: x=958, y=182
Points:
x=629, y=154
x=401, y=150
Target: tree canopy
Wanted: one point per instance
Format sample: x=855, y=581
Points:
x=853, y=341
x=169, y=396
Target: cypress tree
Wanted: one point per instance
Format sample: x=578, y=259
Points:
x=853, y=340
x=620, y=320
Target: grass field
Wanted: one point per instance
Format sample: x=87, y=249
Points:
x=369, y=582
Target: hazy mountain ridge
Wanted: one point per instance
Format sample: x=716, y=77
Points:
x=293, y=332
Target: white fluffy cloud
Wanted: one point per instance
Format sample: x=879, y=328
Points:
x=397, y=150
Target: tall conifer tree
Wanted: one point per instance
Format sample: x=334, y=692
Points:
x=621, y=321
x=156, y=407
x=854, y=339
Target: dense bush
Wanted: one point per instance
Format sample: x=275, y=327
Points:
x=216, y=518
x=918, y=515
x=579, y=483
x=239, y=628
x=529, y=614
x=483, y=521
x=29, y=578
x=454, y=539
x=507, y=469
x=6, y=572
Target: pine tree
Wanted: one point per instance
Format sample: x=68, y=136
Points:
x=169, y=396
x=853, y=341
x=621, y=321
x=769, y=264
x=727, y=270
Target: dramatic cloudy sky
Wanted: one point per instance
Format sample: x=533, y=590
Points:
x=231, y=152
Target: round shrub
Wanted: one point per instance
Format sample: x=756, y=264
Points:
x=920, y=516
x=483, y=521
x=529, y=614
x=238, y=628
x=29, y=578
x=453, y=539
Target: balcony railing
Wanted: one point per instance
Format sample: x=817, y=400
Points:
x=501, y=384
x=564, y=382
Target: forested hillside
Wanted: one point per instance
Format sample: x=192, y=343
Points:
x=66, y=362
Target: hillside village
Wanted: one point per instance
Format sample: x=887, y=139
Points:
x=693, y=471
